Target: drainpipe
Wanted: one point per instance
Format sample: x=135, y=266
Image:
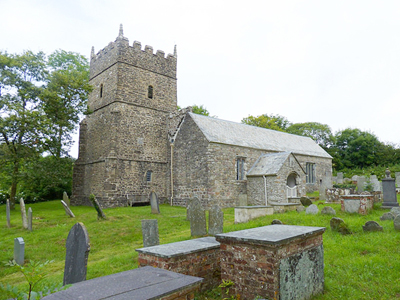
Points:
x=172, y=174
x=265, y=190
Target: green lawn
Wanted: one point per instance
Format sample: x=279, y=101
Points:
x=357, y=266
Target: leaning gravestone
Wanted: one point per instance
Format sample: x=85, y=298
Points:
x=30, y=219
x=23, y=213
x=389, y=191
x=339, y=176
x=8, y=213
x=100, y=213
x=66, y=199
x=372, y=226
x=150, y=233
x=19, y=250
x=396, y=223
x=77, y=254
x=387, y=216
x=337, y=224
x=327, y=210
x=68, y=211
x=197, y=214
x=312, y=210
x=215, y=220
x=155, y=209
x=305, y=201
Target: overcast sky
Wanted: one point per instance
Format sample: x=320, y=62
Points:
x=333, y=62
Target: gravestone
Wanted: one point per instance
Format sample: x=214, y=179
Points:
x=30, y=219
x=337, y=224
x=324, y=184
x=389, y=191
x=155, y=209
x=242, y=200
x=276, y=222
x=77, y=254
x=361, y=184
x=327, y=210
x=339, y=177
x=188, y=203
x=96, y=205
x=396, y=223
x=197, y=214
x=66, y=199
x=150, y=233
x=305, y=201
x=372, y=226
x=68, y=211
x=23, y=213
x=19, y=250
x=312, y=210
x=387, y=216
x=395, y=211
x=300, y=209
x=215, y=220
x=8, y=213
x=376, y=186
x=354, y=178
x=397, y=175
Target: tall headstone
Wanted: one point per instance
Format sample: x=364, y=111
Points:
x=215, y=220
x=325, y=184
x=8, y=213
x=77, y=254
x=188, y=210
x=155, y=208
x=100, y=213
x=376, y=186
x=68, y=211
x=361, y=181
x=30, y=219
x=389, y=191
x=197, y=214
x=19, y=250
x=397, y=175
x=339, y=177
x=66, y=199
x=23, y=213
x=150, y=233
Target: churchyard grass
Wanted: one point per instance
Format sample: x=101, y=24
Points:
x=358, y=266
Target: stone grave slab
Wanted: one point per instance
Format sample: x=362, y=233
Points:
x=198, y=225
x=77, y=254
x=155, y=208
x=215, y=220
x=19, y=250
x=137, y=284
x=150, y=233
x=68, y=211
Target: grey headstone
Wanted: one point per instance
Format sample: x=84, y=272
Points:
x=77, y=254
x=397, y=175
x=372, y=226
x=339, y=177
x=389, y=192
x=19, y=251
x=376, y=186
x=8, y=213
x=66, y=199
x=276, y=222
x=395, y=211
x=387, y=216
x=305, y=201
x=327, y=210
x=354, y=178
x=30, y=219
x=188, y=203
x=150, y=233
x=300, y=208
x=23, y=214
x=396, y=223
x=68, y=211
x=215, y=220
x=198, y=224
x=155, y=209
x=361, y=184
x=312, y=210
x=97, y=207
x=337, y=224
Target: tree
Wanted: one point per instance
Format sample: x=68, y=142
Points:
x=274, y=122
x=320, y=133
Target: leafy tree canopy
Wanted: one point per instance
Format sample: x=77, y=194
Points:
x=274, y=122
x=320, y=133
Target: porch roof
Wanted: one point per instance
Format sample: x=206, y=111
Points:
x=268, y=164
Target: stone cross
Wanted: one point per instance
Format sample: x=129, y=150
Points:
x=68, y=211
x=100, y=213
x=197, y=214
x=23, y=213
x=8, y=213
x=150, y=233
x=66, y=199
x=30, y=219
x=19, y=250
x=155, y=209
x=77, y=254
x=215, y=220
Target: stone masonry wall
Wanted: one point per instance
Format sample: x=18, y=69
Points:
x=323, y=167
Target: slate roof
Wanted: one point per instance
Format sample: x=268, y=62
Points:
x=268, y=164
x=238, y=134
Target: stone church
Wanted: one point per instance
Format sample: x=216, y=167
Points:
x=136, y=142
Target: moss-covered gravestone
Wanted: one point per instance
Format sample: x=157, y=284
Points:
x=96, y=205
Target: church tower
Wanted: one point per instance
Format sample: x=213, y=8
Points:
x=123, y=143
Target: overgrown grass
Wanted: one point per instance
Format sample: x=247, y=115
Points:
x=357, y=266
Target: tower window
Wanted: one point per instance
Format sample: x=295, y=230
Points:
x=148, y=176
x=101, y=90
x=150, y=92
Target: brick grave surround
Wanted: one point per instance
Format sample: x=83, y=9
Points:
x=198, y=257
x=275, y=262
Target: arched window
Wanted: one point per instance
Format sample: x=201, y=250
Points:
x=150, y=92
x=101, y=90
x=148, y=176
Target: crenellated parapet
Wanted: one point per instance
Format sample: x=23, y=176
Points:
x=120, y=51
